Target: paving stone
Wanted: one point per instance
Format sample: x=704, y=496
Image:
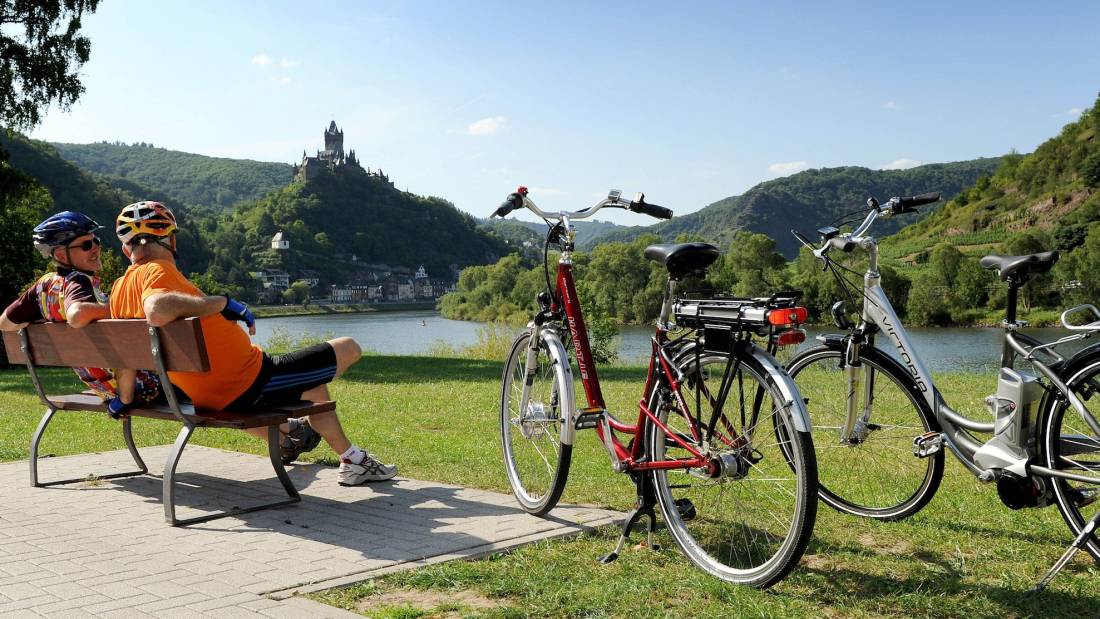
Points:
x=104, y=550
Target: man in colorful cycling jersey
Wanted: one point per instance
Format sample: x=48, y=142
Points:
x=242, y=377
x=71, y=294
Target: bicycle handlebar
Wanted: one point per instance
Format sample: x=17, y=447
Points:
x=848, y=242
x=519, y=199
x=639, y=205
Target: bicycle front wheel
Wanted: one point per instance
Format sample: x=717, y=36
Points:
x=747, y=517
x=1072, y=446
x=536, y=461
x=873, y=474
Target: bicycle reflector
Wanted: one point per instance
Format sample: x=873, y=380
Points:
x=789, y=338
x=787, y=316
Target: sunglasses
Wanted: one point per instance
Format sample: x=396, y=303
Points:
x=88, y=244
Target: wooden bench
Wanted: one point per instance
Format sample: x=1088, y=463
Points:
x=135, y=344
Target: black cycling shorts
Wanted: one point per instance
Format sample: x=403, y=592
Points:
x=283, y=378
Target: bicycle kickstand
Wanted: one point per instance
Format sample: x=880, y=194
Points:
x=647, y=500
x=1077, y=544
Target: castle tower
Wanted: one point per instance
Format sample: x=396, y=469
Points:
x=334, y=141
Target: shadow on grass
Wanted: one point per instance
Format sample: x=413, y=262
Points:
x=844, y=583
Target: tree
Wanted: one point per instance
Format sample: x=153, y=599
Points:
x=41, y=61
x=1090, y=169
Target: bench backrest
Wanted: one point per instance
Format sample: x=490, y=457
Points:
x=112, y=344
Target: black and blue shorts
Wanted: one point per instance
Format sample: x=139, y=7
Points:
x=283, y=378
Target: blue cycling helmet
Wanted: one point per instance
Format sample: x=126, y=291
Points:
x=59, y=230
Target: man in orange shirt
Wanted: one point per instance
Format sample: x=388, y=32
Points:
x=241, y=376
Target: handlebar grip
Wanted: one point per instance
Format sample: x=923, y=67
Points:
x=842, y=243
x=924, y=198
x=643, y=207
x=511, y=203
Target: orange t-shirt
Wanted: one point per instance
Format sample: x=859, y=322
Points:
x=234, y=360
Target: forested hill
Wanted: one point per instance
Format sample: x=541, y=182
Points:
x=811, y=199
x=519, y=230
x=197, y=180
x=337, y=224
x=73, y=189
x=1049, y=199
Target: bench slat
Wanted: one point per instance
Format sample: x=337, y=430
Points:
x=112, y=344
x=206, y=418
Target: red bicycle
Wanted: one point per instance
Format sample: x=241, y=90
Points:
x=721, y=441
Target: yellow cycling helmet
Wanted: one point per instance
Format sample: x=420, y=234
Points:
x=140, y=218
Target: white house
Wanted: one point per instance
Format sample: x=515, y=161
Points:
x=279, y=241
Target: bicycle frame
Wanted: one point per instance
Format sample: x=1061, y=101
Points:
x=878, y=311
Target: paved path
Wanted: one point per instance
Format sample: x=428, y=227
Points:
x=102, y=548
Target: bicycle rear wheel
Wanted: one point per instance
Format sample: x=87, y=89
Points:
x=876, y=476
x=536, y=461
x=1070, y=445
x=748, y=517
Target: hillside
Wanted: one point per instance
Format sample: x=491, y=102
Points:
x=198, y=180
x=1048, y=199
x=811, y=199
x=73, y=189
x=338, y=224
x=517, y=229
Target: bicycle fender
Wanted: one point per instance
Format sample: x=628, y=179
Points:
x=563, y=371
x=795, y=405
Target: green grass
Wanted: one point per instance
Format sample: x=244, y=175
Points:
x=965, y=555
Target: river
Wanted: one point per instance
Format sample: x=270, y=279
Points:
x=415, y=332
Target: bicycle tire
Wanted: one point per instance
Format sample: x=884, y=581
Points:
x=731, y=534
x=535, y=460
x=878, y=478
x=1070, y=445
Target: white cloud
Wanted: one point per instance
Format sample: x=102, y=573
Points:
x=901, y=164
x=789, y=167
x=486, y=126
x=287, y=63
x=284, y=80
x=890, y=105
x=261, y=59
x=1074, y=111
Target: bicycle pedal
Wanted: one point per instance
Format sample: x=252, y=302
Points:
x=1083, y=497
x=588, y=420
x=927, y=444
x=609, y=557
x=686, y=509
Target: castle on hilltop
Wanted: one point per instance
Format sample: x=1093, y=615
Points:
x=332, y=159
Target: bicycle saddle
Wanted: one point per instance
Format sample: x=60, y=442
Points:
x=1019, y=268
x=682, y=258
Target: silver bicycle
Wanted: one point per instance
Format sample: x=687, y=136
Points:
x=881, y=425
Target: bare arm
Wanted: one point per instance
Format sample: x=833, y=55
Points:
x=162, y=308
x=7, y=325
x=82, y=312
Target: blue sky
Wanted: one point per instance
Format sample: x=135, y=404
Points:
x=689, y=102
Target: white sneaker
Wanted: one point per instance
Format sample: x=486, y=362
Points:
x=370, y=469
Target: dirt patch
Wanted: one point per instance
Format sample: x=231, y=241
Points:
x=899, y=547
x=816, y=562
x=450, y=604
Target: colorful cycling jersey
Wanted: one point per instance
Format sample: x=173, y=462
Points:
x=48, y=299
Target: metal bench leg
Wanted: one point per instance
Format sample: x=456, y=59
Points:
x=128, y=434
x=273, y=438
x=36, y=440
x=170, y=473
